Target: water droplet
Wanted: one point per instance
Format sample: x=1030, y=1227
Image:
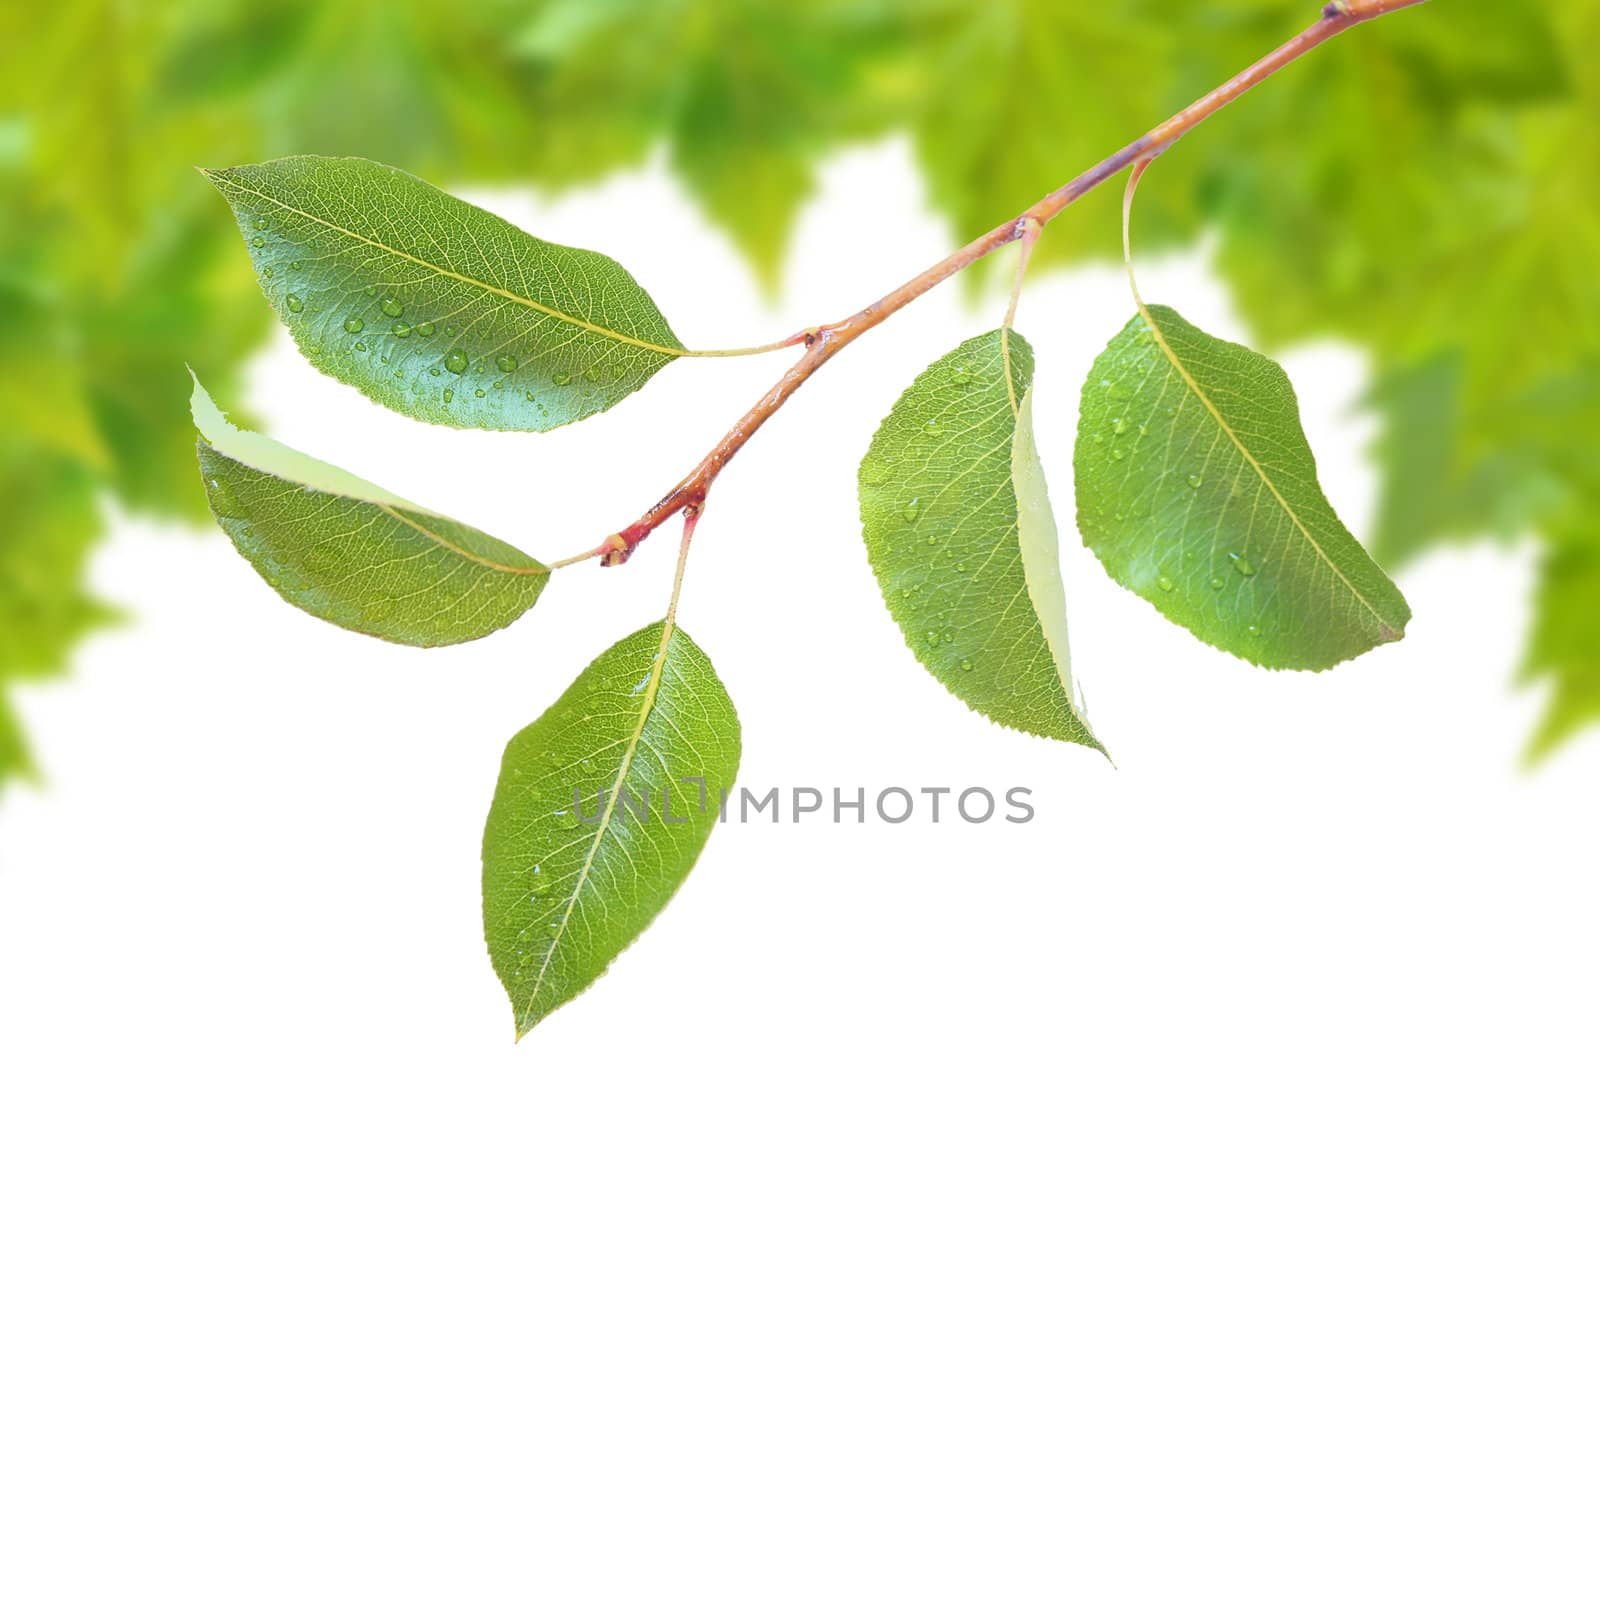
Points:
x=591, y=374
x=361, y=344
x=1253, y=631
x=949, y=635
x=401, y=330
x=266, y=272
x=424, y=328
x=434, y=372
x=480, y=393
x=966, y=666
x=224, y=501
x=1163, y=582
x=506, y=363
x=1117, y=452
x=449, y=395
x=297, y=266
x=962, y=375
x=933, y=636
x=1119, y=424
x=1216, y=583
x=353, y=324
x=912, y=509
x=294, y=302
x=961, y=566
x=258, y=241
x=561, y=379
x=1242, y=565
x=456, y=361
x=1196, y=479
x=390, y=307
x=933, y=427
x=370, y=290
x=1144, y=429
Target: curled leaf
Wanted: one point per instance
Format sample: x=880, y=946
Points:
x=354, y=554
x=963, y=543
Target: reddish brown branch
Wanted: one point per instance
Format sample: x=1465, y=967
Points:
x=823, y=343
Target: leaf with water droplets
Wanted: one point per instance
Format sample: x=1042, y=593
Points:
x=603, y=805
x=962, y=541
x=341, y=244
x=352, y=553
x=1196, y=488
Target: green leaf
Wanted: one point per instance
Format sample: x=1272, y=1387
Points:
x=1564, y=647
x=962, y=542
x=602, y=807
x=352, y=553
x=436, y=308
x=51, y=520
x=1196, y=489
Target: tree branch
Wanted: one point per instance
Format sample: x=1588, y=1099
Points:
x=823, y=343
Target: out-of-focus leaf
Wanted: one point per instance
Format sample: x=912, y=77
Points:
x=1565, y=644
x=354, y=554
x=1016, y=96
x=436, y=308
x=746, y=96
x=50, y=525
x=962, y=541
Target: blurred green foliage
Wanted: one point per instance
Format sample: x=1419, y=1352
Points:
x=1428, y=187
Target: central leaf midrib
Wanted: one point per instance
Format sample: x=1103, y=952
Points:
x=455, y=549
x=459, y=277
x=652, y=689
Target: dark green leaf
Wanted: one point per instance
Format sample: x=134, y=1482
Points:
x=962, y=541
x=436, y=308
x=602, y=807
x=1197, y=489
x=352, y=553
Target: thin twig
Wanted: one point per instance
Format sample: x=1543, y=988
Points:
x=823, y=343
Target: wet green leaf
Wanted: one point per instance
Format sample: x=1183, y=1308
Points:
x=1196, y=488
x=602, y=807
x=962, y=541
x=436, y=308
x=352, y=553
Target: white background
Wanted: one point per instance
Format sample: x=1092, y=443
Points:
x=1190, y=1193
